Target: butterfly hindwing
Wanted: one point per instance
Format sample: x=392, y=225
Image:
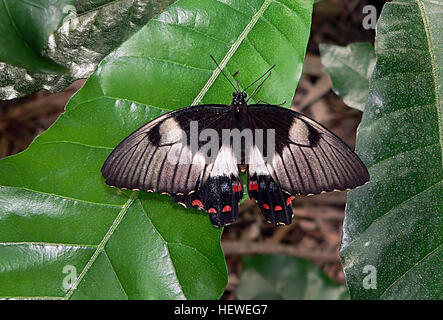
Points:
x=273, y=201
x=221, y=191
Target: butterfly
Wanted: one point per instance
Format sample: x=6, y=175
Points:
x=196, y=154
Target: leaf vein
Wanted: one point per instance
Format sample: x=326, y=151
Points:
x=409, y=269
x=167, y=61
x=392, y=210
x=281, y=33
x=63, y=197
x=11, y=19
x=166, y=243
x=201, y=253
x=76, y=143
x=193, y=30
x=389, y=115
x=15, y=243
x=116, y=275
x=399, y=154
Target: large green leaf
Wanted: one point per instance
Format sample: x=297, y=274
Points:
x=91, y=30
x=55, y=209
x=392, y=241
x=25, y=27
x=278, y=277
x=350, y=68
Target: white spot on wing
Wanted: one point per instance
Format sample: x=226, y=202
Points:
x=170, y=131
x=225, y=164
x=256, y=163
x=299, y=132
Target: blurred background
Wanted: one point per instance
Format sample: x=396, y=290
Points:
x=315, y=234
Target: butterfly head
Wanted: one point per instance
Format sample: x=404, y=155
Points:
x=239, y=98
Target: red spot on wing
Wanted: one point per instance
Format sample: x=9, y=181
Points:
x=289, y=200
x=253, y=186
x=236, y=187
x=227, y=208
x=266, y=206
x=212, y=210
x=278, y=208
x=197, y=202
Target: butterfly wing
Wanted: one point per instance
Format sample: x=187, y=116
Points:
x=274, y=202
x=159, y=157
x=307, y=159
x=220, y=192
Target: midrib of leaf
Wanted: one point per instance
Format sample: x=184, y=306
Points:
x=231, y=51
x=434, y=74
x=101, y=245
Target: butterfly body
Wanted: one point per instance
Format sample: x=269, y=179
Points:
x=195, y=155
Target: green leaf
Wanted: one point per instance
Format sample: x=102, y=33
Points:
x=350, y=68
x=278, y=277
x=90, y=31
x=56, y=210
x=392, y=241
x=25, y=27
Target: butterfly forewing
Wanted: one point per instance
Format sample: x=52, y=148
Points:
x=155, y=155
x=308, y=158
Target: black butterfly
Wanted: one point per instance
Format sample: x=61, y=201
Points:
x=306, y=159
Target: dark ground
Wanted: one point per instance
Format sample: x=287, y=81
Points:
x=316, y=232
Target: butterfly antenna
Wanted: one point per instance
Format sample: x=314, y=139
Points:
x=260, y=85
x=223, y=72
x=264, y=74
x=236, y=80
